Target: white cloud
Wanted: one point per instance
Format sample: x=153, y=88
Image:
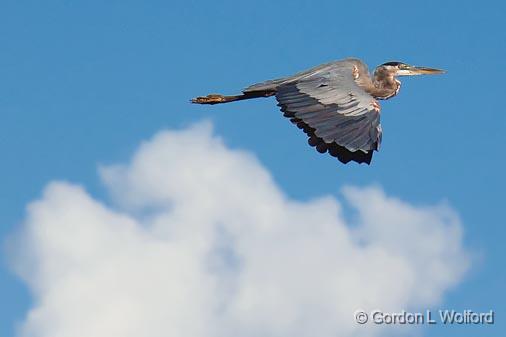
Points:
x=201, y=242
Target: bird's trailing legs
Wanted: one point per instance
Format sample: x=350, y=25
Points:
x=217, y=98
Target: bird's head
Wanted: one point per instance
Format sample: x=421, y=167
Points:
x=385, y=77
x=395, y=68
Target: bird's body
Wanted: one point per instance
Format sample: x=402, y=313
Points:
x=335, y=104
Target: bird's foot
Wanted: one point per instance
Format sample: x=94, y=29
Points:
x=209, y=99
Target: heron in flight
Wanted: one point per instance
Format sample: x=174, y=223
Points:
x=335, y=104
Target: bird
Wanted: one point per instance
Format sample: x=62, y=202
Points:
x=335, y=104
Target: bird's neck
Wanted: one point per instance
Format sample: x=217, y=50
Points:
x=384, y=86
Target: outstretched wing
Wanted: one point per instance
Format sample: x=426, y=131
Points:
x=332, y=109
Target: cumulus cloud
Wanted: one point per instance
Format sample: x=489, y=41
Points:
x=198, y=240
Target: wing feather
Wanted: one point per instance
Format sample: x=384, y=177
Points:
x=336, y=113
x=327, y=103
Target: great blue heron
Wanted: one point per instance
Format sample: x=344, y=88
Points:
x=334, y=103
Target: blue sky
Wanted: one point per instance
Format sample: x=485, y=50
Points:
x=82, y=83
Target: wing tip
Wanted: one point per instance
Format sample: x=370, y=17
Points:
x=340, y=152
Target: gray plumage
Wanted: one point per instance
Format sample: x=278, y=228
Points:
x=334, y=104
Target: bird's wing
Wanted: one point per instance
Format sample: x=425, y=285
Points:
x=333, y=110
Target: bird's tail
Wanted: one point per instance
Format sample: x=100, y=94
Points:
x=217, y=98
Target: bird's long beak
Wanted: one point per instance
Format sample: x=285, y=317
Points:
x=412, y=70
